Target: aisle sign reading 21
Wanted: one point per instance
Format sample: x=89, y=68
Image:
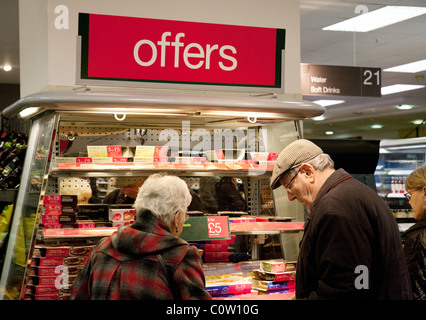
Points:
x=141, y=50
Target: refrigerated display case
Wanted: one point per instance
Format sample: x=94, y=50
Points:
x=397, y=159
x=99, y=141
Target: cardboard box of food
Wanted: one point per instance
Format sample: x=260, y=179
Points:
x=277, y=265
x=60, y=252
x=270, y=286
x=220, y=287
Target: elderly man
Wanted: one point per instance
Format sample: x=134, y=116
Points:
x=351, y=248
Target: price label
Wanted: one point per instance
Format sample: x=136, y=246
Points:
x=206, y=228
x=114, y=151
x=83, y=160
x=218, y=227
x=272, y=156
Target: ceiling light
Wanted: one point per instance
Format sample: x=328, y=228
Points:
x=326, y=103
x=7, y=68
x=400, y=88
x=329, y=133
x=377, y=19
x=411, y=67
x=404, y=107
x=418, y=121
x=376, y=126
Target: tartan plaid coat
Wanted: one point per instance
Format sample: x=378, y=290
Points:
x=125, y=266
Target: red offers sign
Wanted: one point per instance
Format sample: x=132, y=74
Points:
x=165, y=51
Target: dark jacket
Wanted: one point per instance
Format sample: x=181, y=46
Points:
x=350, y=227
x=415, y=253
x=125, y=266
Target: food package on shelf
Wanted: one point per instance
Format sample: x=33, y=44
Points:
x=122, y=217
x=277, y=266
x=228, y=286
x=53, y=270
x=271, y=286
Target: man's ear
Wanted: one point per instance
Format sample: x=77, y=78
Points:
x=307, y=169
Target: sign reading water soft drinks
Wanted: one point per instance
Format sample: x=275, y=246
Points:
x=141, y=50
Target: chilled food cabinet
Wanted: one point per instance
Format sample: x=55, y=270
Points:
x=101, y=141
x=397, y=159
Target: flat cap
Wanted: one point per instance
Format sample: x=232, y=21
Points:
x=292, y=156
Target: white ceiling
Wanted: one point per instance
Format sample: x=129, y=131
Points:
x=390, y=46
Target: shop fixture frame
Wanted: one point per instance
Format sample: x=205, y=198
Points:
x=162, y=109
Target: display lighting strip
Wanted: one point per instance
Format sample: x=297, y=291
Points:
x=377, y=19
x=326, y=103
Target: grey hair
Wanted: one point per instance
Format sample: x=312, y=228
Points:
x=163, y=195
x=320, y=162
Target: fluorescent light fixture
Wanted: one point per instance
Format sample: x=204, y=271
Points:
x=412, y=67
x=377, y=19
x=395, y=88
x=326, y=103
x=319, y=118
x=404, y=107
x=329, y=133
x=376, y=126
x=28, y=112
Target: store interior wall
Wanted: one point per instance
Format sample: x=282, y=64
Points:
x=56, y=49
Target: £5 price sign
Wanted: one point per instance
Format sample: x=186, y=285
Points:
x=218, y=227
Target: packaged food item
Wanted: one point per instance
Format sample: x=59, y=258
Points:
x=69, y=209
x=86, y=224
x=120, y=217
x=104, y=151
x=220, y=287
x=271, y=286
x=66, y=261
x=52, y=209
x=274, y=277
x=216, y=256
x=52, y=199
x=63, y=251
x=93, y=212
x=67, y=218
x=50, y=271
x=41, y=290
x=54, y=296
x=277, y=265
x=69, y=200
x=211, y=247
x=221, y=270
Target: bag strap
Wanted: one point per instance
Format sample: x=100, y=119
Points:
x=169, y=279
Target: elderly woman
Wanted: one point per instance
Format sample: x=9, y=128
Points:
x=128, y=264
x=415, y=237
